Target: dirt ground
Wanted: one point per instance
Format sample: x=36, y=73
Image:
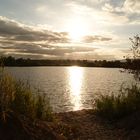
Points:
x=91, y=127
x=76, y=125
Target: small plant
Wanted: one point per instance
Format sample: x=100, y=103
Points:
x=118, y=106
x=17, y=98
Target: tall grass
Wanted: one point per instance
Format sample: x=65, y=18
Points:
x=116, y=107
x=17, y=98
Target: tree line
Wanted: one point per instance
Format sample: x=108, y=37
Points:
x=11, y=61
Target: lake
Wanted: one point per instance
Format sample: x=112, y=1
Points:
x=73, y=88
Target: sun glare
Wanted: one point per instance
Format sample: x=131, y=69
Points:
x=77, y=29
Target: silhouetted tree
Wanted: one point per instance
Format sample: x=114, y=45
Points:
x=135, y=46
x=134, y=64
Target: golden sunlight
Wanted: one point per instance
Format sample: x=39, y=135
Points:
x=76, y=75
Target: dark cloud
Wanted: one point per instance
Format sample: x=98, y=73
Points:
x=44, y=50
x=28, y=55
x=13, y=30
x=96, y=38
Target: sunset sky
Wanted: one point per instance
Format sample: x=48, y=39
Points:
x=68, y=29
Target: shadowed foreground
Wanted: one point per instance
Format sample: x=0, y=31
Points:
x=24, y=129
x=90, y=126
x=78, y=125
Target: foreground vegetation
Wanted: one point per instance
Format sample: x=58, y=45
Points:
x=26, y=114
x=18, y=99
x=118, y=106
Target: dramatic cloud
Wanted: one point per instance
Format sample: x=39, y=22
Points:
x=96, y=38
x=13, y=30
x=54, y=29
x=18, y=39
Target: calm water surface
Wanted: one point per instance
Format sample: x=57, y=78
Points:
x=72, y=88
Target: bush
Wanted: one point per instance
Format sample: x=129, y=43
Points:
x=116, y=107
x=17, y=98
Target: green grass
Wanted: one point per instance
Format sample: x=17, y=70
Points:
x=17, y=98
x=116, y=107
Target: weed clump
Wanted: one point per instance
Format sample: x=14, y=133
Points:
x=18, y=99
x=118, y=106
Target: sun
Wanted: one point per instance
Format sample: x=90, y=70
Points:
x=77, y=29
x=76, y=33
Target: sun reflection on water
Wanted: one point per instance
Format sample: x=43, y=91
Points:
x=75, y=81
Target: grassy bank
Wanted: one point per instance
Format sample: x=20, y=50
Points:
x=17, y=98
x=26, y=114
x=118, y=106
x=21, y=110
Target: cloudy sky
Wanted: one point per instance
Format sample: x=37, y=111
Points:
x=68, y=29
